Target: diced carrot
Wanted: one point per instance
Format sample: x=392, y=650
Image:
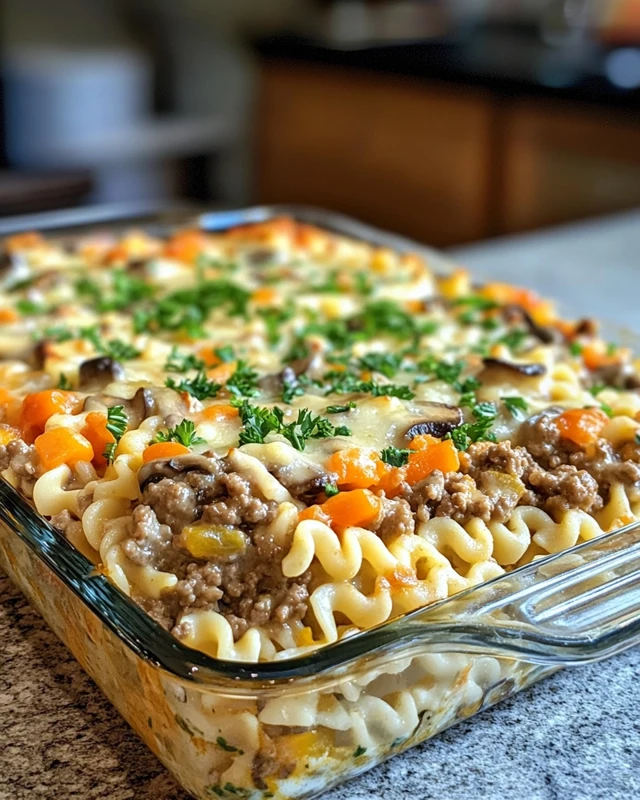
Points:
x=391, y=479
x=186, y=246
x=595, y=355
x=440, y=455
x=316, y=513
x=581, y=425
x=222, y=372
x=38, y=407
x=7, y=315
x=422, y=441
x=164, y=450
x=95, y=430
x=264, y=296
x=357, y=508
x=356, y=468
x=219, y=412
x=62, y=446
x=22, y=241
x=10, y=407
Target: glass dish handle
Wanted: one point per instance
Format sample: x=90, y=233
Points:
x=575, y=607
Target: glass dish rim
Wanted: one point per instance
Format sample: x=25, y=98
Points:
x=149, y=641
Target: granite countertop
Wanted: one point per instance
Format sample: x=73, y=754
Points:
x=574, y=736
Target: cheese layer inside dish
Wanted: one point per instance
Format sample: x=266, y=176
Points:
x=276, y=437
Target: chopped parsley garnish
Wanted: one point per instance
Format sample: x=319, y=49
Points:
x=359, y=751
x=119, y=350
x=346, y=382
x=126, y=291
x=188, y=309
x=478, y=431
x=26, y=307
x=331, y=490
x=299, y=350
x=329, y=286
x=395, y=457
x=340, y=409
x=117, y=422
x=449, y=372
x=184, y=433
x=475, y=301
x=575, y=348
x=57, y=333
x=386, y=364
x=226, y=354
x=182, y=362
x=597, y=388
x=363, y=284
x=273, y=319
x=259, y=422
x=513, y=339
x=63, y=382
x=243, y=382
x=516, y=406
x=199, y=387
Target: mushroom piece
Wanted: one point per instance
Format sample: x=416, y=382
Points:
x=161, y=468
x=100, y=371
x=495, y=368
x=545, y=335
x=437, y=420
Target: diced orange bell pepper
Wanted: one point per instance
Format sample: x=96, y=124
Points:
x=164, y=450
x=581, y=425
x=62, y=446
x=316, y=513
x=440, y=455
x=38, y=407
x=359, y=507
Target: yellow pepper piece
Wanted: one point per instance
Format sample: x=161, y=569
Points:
x=213, y=541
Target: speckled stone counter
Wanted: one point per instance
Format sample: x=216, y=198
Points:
x=576, y=736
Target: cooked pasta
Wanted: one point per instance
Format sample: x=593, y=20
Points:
x=276, y=436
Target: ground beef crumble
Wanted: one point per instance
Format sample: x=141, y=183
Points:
x=248, y=590
x=23, y=460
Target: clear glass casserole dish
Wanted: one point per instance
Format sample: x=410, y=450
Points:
x=348, y=706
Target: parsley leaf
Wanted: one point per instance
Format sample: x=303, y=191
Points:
x=331, y=490
x=273, y=319
x=395, y=457
x=184, y=433
x=340, y=409
x=117, y=422
x=27, y=307
x=575, y=348
x=243, y=382
x=516, y=406
x=199, y=387
x=63, y=382
x=386, y=364
x=478, y=431
x=259, y=422
x=226, y=353
x=182, y=362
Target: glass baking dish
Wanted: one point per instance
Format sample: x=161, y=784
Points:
x=292, y=729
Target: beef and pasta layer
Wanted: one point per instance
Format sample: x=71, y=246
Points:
x=276, y=437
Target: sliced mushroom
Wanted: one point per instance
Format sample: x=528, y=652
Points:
x=437, y=420
x=495, y=368
x=515, y=313
x=617, y=376
x=160, y=468
x=98, y=372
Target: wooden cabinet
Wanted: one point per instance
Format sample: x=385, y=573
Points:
x=435, y=162
x=397, y=154
x=561, y=164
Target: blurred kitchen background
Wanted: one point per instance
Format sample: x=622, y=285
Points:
x=447, y=121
